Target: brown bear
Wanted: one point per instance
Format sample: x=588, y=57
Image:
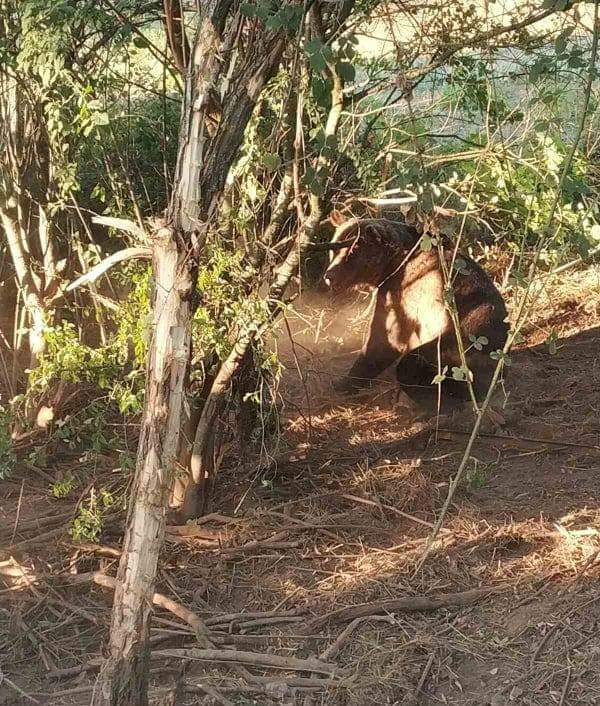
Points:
x=411, y=320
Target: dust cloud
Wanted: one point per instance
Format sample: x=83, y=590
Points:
x=317, y=340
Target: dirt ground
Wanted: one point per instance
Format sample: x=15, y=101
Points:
x=339, y=516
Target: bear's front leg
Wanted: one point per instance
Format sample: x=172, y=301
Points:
x=369, y=364
x=378, y=353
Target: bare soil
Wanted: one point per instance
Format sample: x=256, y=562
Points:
x=338, y=515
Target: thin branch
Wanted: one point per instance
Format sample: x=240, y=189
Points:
x=105, y=265
x=253, y=659
x=521, y=309
x=389, y=202
x=412, y=604
x=325, y=247
x=121, y=224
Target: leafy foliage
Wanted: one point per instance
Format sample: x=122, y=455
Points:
x=88, y=523
x=7, y=455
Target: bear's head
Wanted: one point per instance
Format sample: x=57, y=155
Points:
x=372, y=249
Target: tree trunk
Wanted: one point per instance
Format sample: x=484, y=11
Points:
x=25, y=177
x=125, y=673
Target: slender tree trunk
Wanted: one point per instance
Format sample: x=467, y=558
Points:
x=125, y=673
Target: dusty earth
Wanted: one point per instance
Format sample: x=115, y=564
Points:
x=339, y=514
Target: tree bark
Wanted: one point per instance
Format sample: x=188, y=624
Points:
x=125, y=673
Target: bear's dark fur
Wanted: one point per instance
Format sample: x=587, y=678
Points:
x=411, y=321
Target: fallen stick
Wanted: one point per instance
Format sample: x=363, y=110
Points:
x=232, y=551
x=195, y=531
x=269, y=621
x=258, y=685
x=414, y=701
x=332, y=651
x=102, y=549
x=40, y=522
x=414, y=604
x=532, y=439
x=297, y=682
x=573, y=263
x=272, y=542
x=566, y=686
x=237, y=617
x=254, y=659
x=203, y=688
x=391, y=508
x=39, y=539
x=17, y=688
x=75, y=671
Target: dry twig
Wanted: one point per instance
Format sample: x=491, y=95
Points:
x=412, y=605
x=253, y=659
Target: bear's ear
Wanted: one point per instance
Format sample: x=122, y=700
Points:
x=337, y=218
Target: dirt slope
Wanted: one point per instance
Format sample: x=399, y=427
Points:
x=339, y=515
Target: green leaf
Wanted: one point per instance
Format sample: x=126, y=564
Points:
x=274, y=22
x=317, y=62
x=426, y=243
x=501, y=355
x=517, y=336
x=459, y=373
x=560, y=44
x=248, y=9
x=539, y=68
x=440, y=377
x=555, y=4
x=291, y=15
x=271, y=160
x=101, y=118
x=461, y=266
x=313, y=46
x=346, y=71
x=552, y=343
x=318, y=54
x=321, y=91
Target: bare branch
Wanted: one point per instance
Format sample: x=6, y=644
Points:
x=388, y=202
x=121, y=224
x=105, y=265
x=253, y=659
